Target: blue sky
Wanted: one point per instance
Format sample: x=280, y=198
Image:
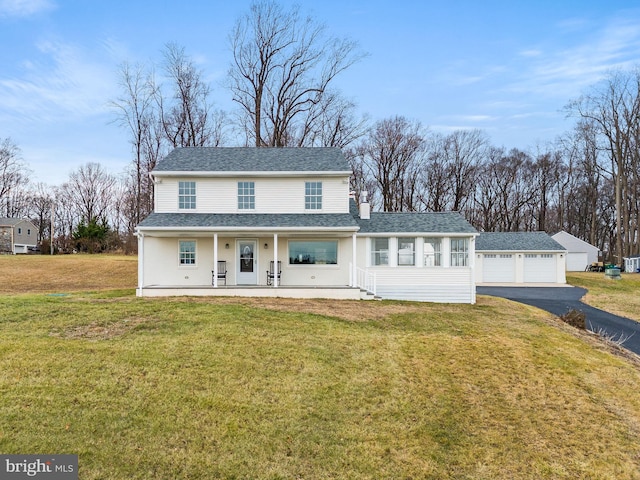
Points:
x=507, y=67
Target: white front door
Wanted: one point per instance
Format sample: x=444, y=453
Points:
x=247, y=273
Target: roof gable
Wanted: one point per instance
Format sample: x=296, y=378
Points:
x=573, y=243
x=510, y=241
x=254, y=160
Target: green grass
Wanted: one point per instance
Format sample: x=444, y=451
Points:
x=222, y=388
x=616, y=296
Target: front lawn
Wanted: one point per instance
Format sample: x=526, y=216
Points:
x=223, y=388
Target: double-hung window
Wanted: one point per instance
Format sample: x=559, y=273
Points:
x=187, y=252
x=459, y=252
x=432, y=252
x=406, y=251
x=313, y=195
x=379, y=251
x=246, y=195
x=187, y=195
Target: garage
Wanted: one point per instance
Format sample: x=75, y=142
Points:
x=519, y=258
x=540, y=268
x=499, y=268
x=577, y=261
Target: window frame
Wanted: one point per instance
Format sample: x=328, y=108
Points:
x=437, y=252
x=457, y=253
x=378, y=253
x=184, y=254
x=312, y=253
x=187, y=195
x=246, y=195
x=313, y=195
x=404, y=240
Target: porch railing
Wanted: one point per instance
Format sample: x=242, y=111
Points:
x=363, y=279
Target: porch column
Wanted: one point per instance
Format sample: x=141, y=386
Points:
x=354, y=273
x=140, y=263
x=215, y=260
x=275, y=260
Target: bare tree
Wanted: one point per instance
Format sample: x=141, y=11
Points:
x=187, y=117
x=13, y=179
x=135, y=111
x=89, y=192
x=393, y=153
x=282, y=66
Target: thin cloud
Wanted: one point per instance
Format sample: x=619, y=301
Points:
x=61, y=83
x=24, y=8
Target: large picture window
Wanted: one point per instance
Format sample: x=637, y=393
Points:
x=313, y=195
x=406, y=251
x=187, y=252
x=246, y=196
x=313, y=253
x=459, y=252
x=187, y=195
x=432, y=252
x=379, y=251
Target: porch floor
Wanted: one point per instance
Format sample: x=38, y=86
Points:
x=337, y=293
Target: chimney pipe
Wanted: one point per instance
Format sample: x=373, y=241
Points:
x=365, y=209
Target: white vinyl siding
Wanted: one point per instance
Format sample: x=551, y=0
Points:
x=272, y=195
x=426, y=284
x=577, y=261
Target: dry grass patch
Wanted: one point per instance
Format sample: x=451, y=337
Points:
x=616, y=296
x=66, y=273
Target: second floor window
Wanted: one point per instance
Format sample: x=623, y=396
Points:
x=187, y=195
x=246, y=196
x=313, y=195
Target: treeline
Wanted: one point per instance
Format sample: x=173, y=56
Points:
x=281, y=77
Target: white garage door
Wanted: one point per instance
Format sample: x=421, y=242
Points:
x=577, y=261
x=498, y=268
x=540, y=268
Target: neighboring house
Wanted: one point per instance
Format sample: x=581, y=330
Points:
x=17, y=235
x=580, y=254
x=519, y=257
x=256, y=208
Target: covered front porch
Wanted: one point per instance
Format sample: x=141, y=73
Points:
x=294, y=264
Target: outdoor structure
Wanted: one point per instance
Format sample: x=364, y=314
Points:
x=280, y=222
x=632, y=264
x=580, y=254
x=17, y=236
x=519, y=258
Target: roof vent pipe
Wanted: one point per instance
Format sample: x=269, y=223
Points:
x=365, y=209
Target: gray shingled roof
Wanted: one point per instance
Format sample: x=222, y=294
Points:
x=412, y=222
x=524, y=241
x=427, y=222
x=10, y=221
x=252, y=159
x=249, y=220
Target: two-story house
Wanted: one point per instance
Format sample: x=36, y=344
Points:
x=280, y=222
x=17, y=235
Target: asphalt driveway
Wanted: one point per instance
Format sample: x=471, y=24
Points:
x=559, y=300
